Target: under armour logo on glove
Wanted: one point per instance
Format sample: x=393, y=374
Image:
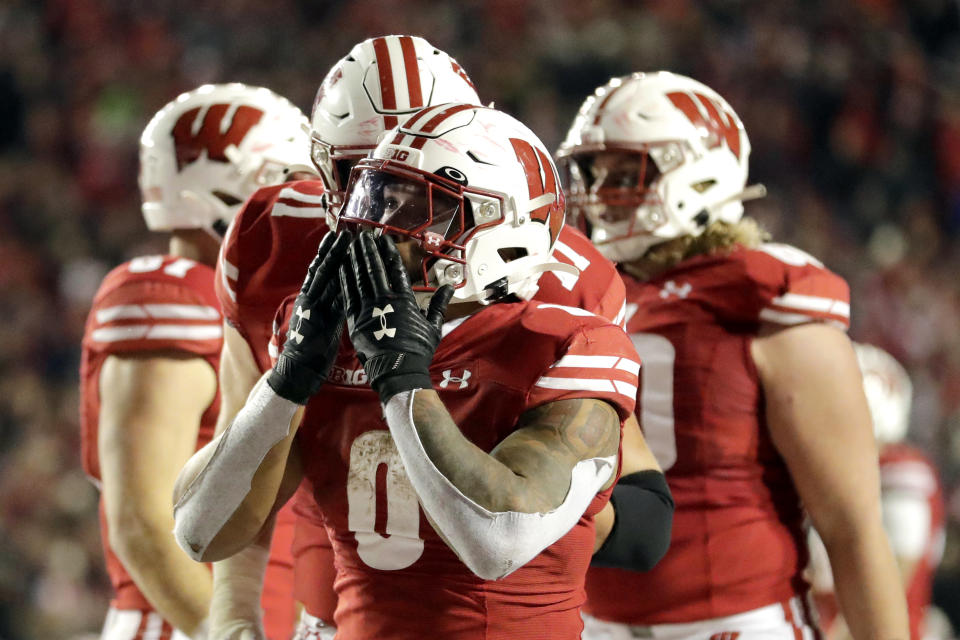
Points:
x=384, y=329
x=315, y=327
x=375, y=283
x=295, y=331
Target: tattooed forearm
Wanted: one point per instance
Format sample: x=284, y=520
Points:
x=530, y=470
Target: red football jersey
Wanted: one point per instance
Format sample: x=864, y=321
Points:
x=737, y=541
x=264, y=259
x=150, y=304
x=489, y=369
x=907, y=474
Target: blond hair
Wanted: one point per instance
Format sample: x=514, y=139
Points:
x=718, y=237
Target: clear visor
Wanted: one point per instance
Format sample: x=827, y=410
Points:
x=404, y=205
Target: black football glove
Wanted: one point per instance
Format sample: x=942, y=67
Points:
x=315, y=326
x=394, y=339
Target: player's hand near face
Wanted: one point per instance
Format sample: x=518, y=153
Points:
x=394, y=339
x=316, y=326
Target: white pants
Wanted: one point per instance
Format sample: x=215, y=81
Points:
x=130, y=624
x=781, y=621
x=313, y=628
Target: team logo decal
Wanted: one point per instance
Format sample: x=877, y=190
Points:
x=213, y=137
x=384, y=330
x=719, y=123
x=671, y=288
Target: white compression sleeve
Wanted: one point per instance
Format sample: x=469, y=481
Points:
x=225, y=481
x=491, y=544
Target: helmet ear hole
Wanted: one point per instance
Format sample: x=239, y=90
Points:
x=509, y=254
x=703, y=185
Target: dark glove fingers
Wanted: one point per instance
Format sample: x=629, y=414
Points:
x=438, y=306
x=374, y=265
x=348, y=286
x=361, y=276
x=326, y=271
x=396, y=271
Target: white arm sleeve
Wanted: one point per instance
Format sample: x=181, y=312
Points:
x=225, y=481
x=906, y=519
x=491, y=544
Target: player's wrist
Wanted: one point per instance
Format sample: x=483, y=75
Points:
x=294, y=381
x=393, y=373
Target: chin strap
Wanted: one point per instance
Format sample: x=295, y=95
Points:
x=751, y=192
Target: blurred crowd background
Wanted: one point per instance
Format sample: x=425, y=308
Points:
x=853, y=109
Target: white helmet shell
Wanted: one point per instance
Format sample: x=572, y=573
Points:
x=205, y=152
x=380, y=83
x=487, y=200
x=889, y=392
x=697, y=145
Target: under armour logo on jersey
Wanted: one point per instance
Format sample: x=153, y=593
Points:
x=671, y=288
x=384, y=330
x=301, y=316
x=448, y=379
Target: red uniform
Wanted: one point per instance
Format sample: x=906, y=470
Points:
x=737, y=543
x=264, y=259
x=489, y=369
x=907, y=474
x=150, y=304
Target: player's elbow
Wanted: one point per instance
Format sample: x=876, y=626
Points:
x=640, y=536
x=203, y=544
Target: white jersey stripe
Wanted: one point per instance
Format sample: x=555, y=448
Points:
x=578, y=260
x=273, y=350
x=781, y=317
x=225, y=277
x=120, y=312
x=176, y=311
x=183, y=311
x=813, y=303
x=154, y=627
x=577, y=384
x=625, y=388
x=280, y=209
x=574, y=311
x=598, y=362
x=292, y=194
x=230, y=269
x=158, y=332
x=620, y=319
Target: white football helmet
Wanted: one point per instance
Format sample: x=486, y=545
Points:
x=651, y=157
x=889, y=392
x=204, y=153
x=380, y=83
x=476, y=189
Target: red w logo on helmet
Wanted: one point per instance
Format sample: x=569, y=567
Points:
x=719, y=123
x=211, y=138
x=541, y=179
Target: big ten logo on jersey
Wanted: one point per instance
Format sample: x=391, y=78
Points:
x=546, y=198
x=383, y=509
x=177, y=267
x=347, y=377
x=210, y=135
x=711, y=117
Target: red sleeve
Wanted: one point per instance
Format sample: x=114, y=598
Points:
x=597, y=361
x=796, y=288
x=598, y=288
x=154, y=315
x=265, y=255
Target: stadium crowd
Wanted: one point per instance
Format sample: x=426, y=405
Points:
x=853, y=109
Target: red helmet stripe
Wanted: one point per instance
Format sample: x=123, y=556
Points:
x=412, y=68
x=388, y=94
x=435, y=121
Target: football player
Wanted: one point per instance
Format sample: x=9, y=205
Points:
x=503, y=422
x=274, y=237
x=152, y=342
x=750, y=396
x=910, y=493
